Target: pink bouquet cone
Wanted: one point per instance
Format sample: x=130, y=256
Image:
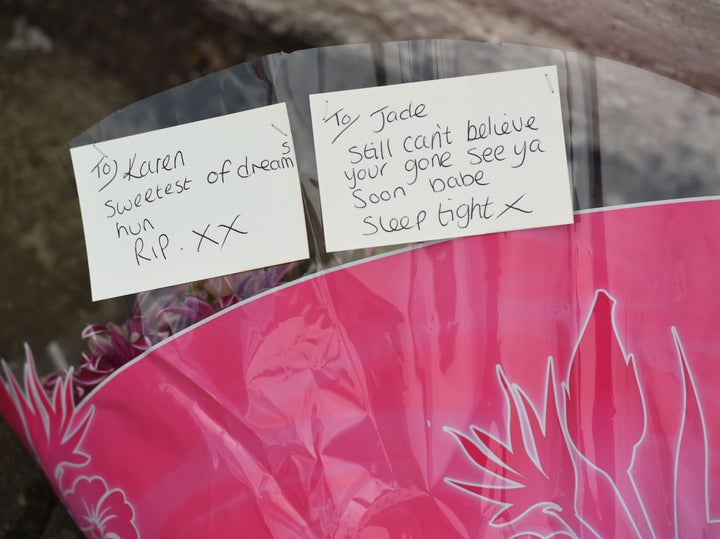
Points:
x=558, y=382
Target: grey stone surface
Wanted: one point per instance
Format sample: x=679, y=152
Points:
x=680, y=39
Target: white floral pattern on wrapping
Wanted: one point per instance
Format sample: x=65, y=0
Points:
x=54, y=432
x=101, y=512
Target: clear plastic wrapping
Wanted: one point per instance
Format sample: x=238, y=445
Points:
x=550, y=382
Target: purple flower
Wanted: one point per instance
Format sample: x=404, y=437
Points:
x=155, y=317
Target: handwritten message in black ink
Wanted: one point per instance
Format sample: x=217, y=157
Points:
x=440, y=159
x=190, y=202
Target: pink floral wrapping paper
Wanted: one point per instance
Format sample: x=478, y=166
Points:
x=557, y=382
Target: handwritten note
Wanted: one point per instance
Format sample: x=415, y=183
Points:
x=441, y=159
x=190, y=202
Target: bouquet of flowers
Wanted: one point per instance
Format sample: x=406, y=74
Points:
x=555, y=382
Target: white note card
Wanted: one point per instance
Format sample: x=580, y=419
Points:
x=190, y=202
x=441, y=159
